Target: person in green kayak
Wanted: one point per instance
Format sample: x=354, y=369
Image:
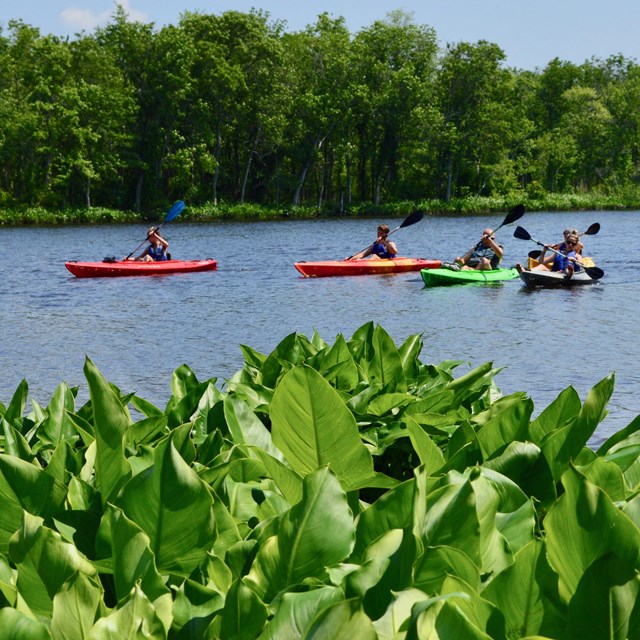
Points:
x=485, y=255
x=380, y=249
x=156, y=250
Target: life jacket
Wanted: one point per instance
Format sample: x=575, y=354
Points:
x=157, y=253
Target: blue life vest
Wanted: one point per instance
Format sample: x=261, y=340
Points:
x=157, y=253
x=381, y=251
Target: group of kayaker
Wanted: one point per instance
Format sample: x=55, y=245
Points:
x=487, y=254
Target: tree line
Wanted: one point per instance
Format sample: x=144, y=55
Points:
x=233, y=108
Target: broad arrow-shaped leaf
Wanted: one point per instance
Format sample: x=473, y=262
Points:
x=312, y=427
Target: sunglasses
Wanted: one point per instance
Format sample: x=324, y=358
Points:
x=571, y=244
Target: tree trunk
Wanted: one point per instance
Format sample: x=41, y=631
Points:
x=216, y=173
x=449, y=177
x=247, y=168
x=87, y=194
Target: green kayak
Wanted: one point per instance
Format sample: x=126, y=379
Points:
x=440, y=277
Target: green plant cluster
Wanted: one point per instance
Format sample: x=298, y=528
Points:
x=329, y=491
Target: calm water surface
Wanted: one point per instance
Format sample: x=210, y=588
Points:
x=139, y=330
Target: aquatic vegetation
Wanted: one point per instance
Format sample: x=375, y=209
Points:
x=325, y=490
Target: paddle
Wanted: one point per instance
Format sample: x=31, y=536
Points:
x=412, y=218
x=172, y=214
x=515, y=214
x=591, y=231
x=522, y=234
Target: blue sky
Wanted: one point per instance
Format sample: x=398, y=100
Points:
x=531, y=32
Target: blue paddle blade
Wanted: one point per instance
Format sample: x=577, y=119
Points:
x=175, y=211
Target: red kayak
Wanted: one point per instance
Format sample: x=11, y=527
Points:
x=133, y=268
x=363, y=267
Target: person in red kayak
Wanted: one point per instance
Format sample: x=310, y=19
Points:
x=382, y=248
x=156, y=251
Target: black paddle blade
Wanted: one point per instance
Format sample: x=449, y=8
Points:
x=535, y=254
x=515, y=214
x=594, y=272
x=592, y=230
x=521, y=234
x=412, y=218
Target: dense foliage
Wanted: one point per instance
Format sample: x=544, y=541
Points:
x=232, y=108
x=329, y=491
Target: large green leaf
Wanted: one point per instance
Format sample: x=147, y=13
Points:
x=521, y=593
x=246, y=428
x=24, y=486
x=386, y=366
x=244, y=615
x=436, y=563
x=296, y=611
x=133, y=563
x=563, y=445
x=505, y=427
x=111, y=421
x=58, y=426
x=44, y=563
x=161, y=500
x=605, y=604
x=428, y=452
x=392, y=510
x=342, y=621
x=312, y=427
x=76, y=607
x=305, y=545
x=564, y=408
x=134, y=619
x=18, y=405
x=193, y=609
x=15, y=444
x=18, y=626
x=392, y=625
x=583, y=526
x=339, y=367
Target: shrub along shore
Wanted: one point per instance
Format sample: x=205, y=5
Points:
x=209, y=212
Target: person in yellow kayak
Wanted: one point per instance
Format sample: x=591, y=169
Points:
x=485, y=255
x=562, y=246
x=382, y=248
x=567, y=260
x=156, y=250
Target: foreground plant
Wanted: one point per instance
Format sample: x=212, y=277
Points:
x=330, y=491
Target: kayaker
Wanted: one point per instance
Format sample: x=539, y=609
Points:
x=382, y=248
x=485, y=255
x=562, y=246
x=567, y=259
x=156, y=251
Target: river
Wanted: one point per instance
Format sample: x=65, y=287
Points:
x=139, y=330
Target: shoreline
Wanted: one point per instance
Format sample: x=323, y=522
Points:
x=472, y=206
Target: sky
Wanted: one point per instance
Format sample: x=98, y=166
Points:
x=531, y=33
